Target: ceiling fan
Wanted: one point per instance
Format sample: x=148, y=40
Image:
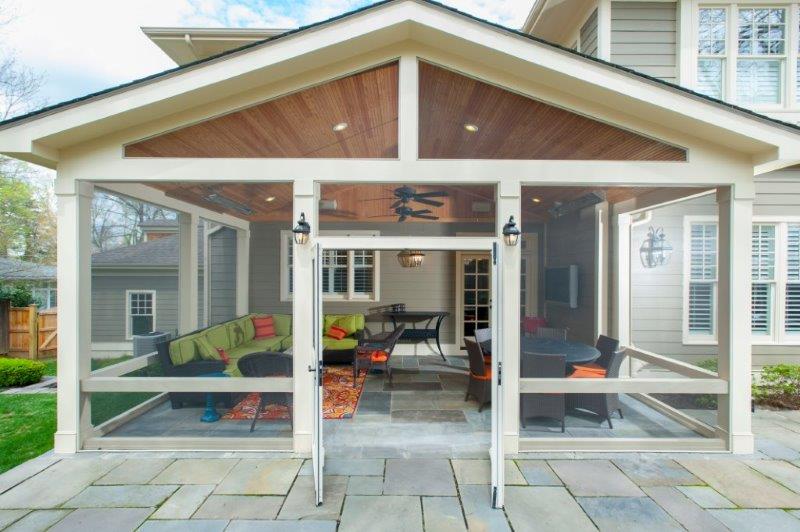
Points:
x=406, y=194
x=404, y=213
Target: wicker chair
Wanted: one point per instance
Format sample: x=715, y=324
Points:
x=551, y=332
x=268, y=364
x=484, y=339
x=607, y=346
x=547, y=405
x=375, y=351
x=480, y=376
x=602, y=404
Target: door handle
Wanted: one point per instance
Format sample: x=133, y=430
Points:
x=311, y=369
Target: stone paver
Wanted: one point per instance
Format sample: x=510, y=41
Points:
x=135, y=471
x=757, y=520
x=196, y=471
x=260, y=477
x=184, y=502
x=594, y=478
x=706, y=497
x=538, y=473
x=90, y=519
x=354, y=466
x=300, y=502
x=239, y=507
x=281, y=526
x=479, y=472
x=685, y=511
x=121, y=496
x=478, y=511
x=365, y=486
x=58, y=483
x=780, y=471
x=376, y=514
x=443, y=514
x=9, y=516
x=195, y=525
x=742, y=485
x=628, y=513
x=655, y=472
x=26, y=470
x=544, y=508
x=37, y=520
x=419, y=476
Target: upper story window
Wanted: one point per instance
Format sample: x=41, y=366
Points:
x=712, y=51
x=762, y=52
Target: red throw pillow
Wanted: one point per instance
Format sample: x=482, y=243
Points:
x=337, y=333
x=265, y=327
x=224, y=356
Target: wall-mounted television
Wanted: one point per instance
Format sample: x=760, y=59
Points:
x=561, y=285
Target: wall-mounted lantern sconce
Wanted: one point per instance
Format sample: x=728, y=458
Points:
x=656, y=249
x=301, y=230
x=511, y=232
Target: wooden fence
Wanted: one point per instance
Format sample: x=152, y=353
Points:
x=32, y=333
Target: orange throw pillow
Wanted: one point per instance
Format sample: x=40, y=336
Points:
x=265, y=327
x=337, y=333
x=224, y=356
x=379, y=357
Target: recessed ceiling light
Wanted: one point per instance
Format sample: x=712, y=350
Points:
x=536, y=200
x=269, y=199
x=341, y=126
x=472, y=128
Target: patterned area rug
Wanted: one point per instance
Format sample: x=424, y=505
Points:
x=339, y=398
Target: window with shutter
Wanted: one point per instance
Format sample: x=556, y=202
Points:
x=702, y=280
x=792, y=312
x=764, y=279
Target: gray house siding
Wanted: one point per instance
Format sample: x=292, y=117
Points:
x=221, y=275
x=588, y=35
x=644, y=36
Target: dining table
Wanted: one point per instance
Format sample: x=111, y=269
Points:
x=576, y=352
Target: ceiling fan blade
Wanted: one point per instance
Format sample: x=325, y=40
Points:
x=376, y=199
x=429, y=202
x=433, y=194
x=402, y=218
x=424, y=216
x=423, y=211
x=396, y=204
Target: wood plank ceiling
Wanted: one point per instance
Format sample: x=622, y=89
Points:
x=298, y=125
x=511, y=126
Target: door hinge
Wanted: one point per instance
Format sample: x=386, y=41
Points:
x=499, y=373
x=494, y=253
x=494, y=497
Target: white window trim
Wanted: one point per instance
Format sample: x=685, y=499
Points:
x=696, y=339
x=779, y=336
x=128, y=334
x=351, y=296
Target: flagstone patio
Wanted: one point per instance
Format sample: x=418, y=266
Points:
x=565, y=491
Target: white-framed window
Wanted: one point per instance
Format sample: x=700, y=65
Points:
x=700, y=274
x=45, y=296
x=140, y=312
x=775, y=313
x=757, y=53
x=347, y=275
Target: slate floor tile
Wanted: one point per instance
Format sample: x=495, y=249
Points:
x=592, y=478
x=260, y=477
x=416, y=476
x=706, y=497
x=135, y=471
x=479, y=472
x=779, y=471
x=91, y=519
x=628, y=513
x=428, y=416
x=300, y=504
x=538, y=473
x=196, y=471
x=443, y=514
x=9, y=516
x=757, y=520
x=374, y=403
x=194, y=525
x=354, y=466
x=377, y=514
x=37, y=521
x=26, y=470
x=239, y=507
x=134, y=496
x=478, y=511
x=184, y=502
x=281, y=526
x=364, y=485
x=544, y=508
x=655, y=472
x=685, y=511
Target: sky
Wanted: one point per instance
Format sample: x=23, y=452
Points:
x=82, y=46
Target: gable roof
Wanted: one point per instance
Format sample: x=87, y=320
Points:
x=45, y=154
x=20, y=270
x=159, y=253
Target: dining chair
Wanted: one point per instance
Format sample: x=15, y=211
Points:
x=547, y=405
x=484, y=339
x=268, y=364
x=607, y=347
x=551, y=332
x=531, y=323
x=375, y=351
x=602, y=404
x=480, y=375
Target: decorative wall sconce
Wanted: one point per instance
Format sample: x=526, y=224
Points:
x=301, y=230
x=656, y=249
x=511, y=232
x=410, y=259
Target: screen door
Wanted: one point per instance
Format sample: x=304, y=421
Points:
x=496, y=450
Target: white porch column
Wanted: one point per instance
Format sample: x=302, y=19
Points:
x=508, y=204
x=408, y=108
x=75, y=311
x=305, y=201
x=621, y=323
x=242, y=272
x=187, y=273
x=604, y=30
x=735, y=353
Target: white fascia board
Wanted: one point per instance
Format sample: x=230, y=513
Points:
x=380, y=27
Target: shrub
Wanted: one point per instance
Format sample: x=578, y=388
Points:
x=779, y=386
x=19, y=372
x=19, y=295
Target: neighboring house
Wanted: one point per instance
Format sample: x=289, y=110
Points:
x=742, y=53
x=135, y=288
x=40, y=278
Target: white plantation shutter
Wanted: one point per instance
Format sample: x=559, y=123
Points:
x=710, y=77
x=758, y=81
x=363, y=271
x=702, y=278
x=763, y=256
x=701, y=308
x=792, y=317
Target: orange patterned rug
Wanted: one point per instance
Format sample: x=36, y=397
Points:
x=339, y=398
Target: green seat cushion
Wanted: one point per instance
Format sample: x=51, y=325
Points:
x=232, y=370
x=272, y=343
x=349, y=322
x=236, y=333
x=286, y=343
x=339, y=345
x=205, y=349
x=247, y=325
x=183, y=350
x=283, y=324
x=218, y=336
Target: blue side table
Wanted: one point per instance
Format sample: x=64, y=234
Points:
x=210, y=414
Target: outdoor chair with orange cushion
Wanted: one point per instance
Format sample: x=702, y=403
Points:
x=480, y=375
x=546, y=405
x=607, y=346
x=484, y=339
x=602, y=404
x=375, y=351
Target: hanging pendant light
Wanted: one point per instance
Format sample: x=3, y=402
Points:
x=410, y=259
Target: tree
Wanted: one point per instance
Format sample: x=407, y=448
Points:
x=117, y=220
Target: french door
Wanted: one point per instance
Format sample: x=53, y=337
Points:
x=317, y=447
x=474, y=293
x=496, y=451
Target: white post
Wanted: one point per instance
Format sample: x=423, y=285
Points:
x=621, y=324
x=408, y=108
x=306, y=194
x=242, y=272
x=187, y=273
x=601, y=266
x=75, y=311
x=604, y=30
x=735, y=354
x=206, y=274
x=508, y=204
x=685, y=37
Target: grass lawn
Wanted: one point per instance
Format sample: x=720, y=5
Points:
x=49, y=366
x=27, y=424
x=107, y=405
